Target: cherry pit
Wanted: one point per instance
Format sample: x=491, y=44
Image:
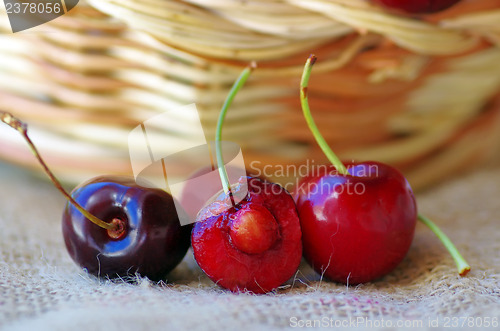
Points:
x=353, y=222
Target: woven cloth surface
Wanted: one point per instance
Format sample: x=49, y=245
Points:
x=41, y=288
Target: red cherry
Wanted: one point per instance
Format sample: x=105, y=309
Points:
x=254, y=246
x=149, y=241
x=357, y=221
x=418, y=6
x=356, y=227
x=248, y=238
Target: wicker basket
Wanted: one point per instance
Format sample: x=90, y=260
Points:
x=421, y=93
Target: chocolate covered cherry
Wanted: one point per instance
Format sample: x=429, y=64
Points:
x=147, y=238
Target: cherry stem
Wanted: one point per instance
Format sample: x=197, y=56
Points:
x=22, y=128
x=332, y=157
x=462, y=265
x=238, y=84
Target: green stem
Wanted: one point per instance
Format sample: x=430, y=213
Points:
x=22, y=128
x=332, y=157
x=218, y=133
x=462, y=265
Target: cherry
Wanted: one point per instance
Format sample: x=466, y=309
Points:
x=149, y=241
x=418, y=6
x=357, y=219
x=359, y=226
x=252, y=245
x=136, y=230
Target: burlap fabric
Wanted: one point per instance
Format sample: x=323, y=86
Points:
x=41, y=288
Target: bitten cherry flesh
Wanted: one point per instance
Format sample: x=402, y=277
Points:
x=193, y=203
x=148, y=239
x=254, y=246
x=418, y=6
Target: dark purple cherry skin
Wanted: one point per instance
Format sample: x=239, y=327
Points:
x=418, y=6
x=152, y=244
x=357, y=227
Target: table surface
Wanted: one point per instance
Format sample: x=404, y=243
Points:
x=41, y=288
